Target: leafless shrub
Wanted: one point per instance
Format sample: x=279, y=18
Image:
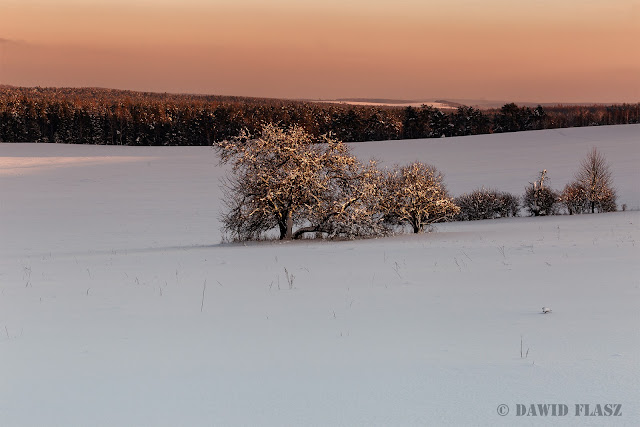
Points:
x=541, y=199
x=574, y=198
x=485, y=203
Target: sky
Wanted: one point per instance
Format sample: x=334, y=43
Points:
x=507, y=50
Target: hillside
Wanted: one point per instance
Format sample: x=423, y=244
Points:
x=120, y=306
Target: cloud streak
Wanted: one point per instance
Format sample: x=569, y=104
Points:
x=13, y=42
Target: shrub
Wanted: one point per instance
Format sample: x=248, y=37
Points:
x=487, y=204
x=510, y=205
x=539, y=199
x=574, y=198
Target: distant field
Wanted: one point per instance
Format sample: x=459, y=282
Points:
x=391, y=103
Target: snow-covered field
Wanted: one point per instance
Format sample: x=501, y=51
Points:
x=438, y=105
x=119, y=306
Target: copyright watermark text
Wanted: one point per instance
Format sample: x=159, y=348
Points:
x=561, y=410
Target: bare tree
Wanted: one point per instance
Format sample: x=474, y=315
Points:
x=283, y=180
x=415, y=195
x=594, y=176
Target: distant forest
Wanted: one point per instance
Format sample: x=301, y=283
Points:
x=117, y=117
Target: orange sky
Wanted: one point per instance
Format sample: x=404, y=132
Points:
x=541, y=51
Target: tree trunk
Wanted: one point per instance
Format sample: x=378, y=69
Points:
x=283, y=229
x=285, y=224
x=416, y=225
x=289, y=234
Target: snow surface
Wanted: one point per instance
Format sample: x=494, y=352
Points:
x=120, y=307
x=439, y=105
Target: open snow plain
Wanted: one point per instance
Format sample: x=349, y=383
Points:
x=120, y=307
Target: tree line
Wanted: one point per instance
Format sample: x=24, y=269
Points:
x=116, y=117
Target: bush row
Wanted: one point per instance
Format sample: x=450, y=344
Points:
x=590, y=191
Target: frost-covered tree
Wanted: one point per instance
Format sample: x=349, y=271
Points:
x=415, y=195
x=539, y=198
x=594, y=177
x=574, y=198
x=282, y=179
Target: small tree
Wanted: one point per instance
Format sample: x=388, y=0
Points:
x=283, y=180
x=540, y=199
x=574, y=198
x=594, y=177
x=415, y=195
